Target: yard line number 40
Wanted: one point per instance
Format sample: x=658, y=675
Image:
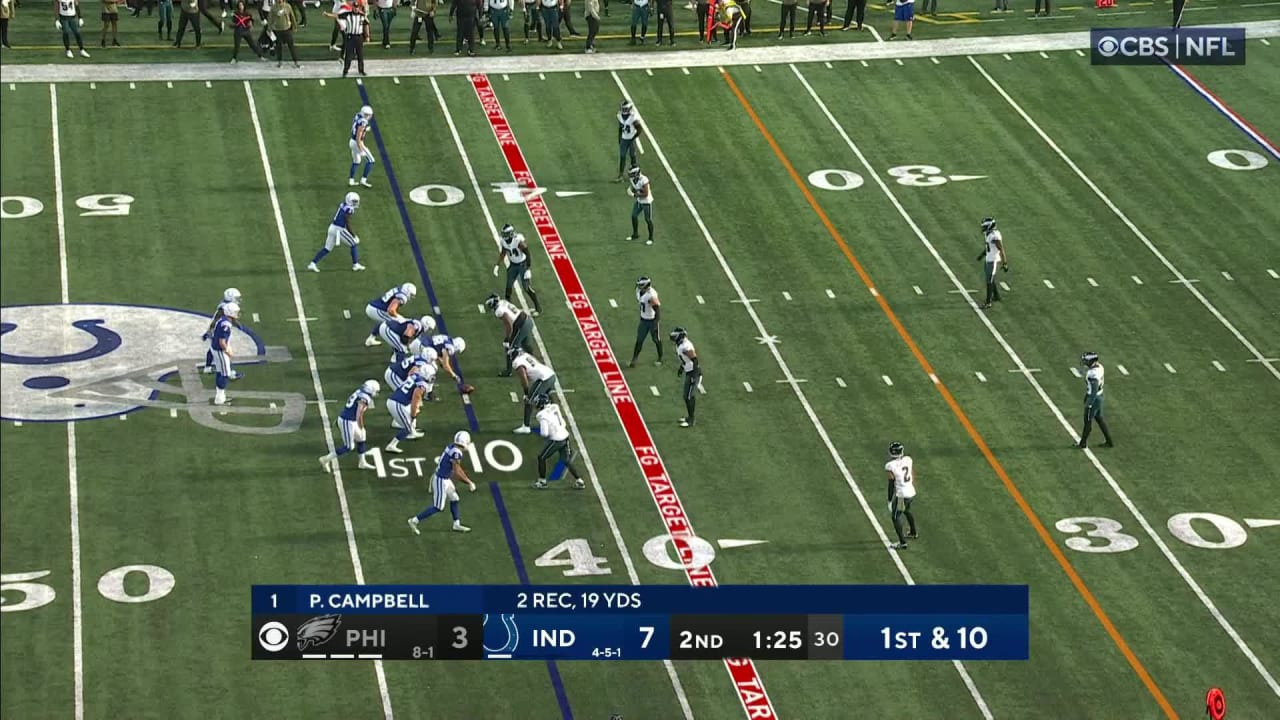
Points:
x=32, y=595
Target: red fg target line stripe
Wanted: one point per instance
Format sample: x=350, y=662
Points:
x=746, y=679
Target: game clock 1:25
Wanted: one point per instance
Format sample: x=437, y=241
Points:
x=778, y=639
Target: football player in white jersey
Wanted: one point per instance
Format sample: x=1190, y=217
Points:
x=650, y=318
x=229, y=296
x=690, y=368
x=1094, y=384
x=360, y=125
x=993, y=255
x=351, y=426
x=517, y=328
x=902, y=490
x=515, y=251
x=629, y=130
x=536, y=378
x=551, y=425
x=638, y=188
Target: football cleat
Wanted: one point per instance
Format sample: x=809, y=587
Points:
x=523, y=430
x=356, y=267
x=365, y=182
x=539, y=484
x=579, y=484
x=365, y=464
x=541, y=400
x=896, y=450
x=459, y=527
x=371, y=341
x=312, y=267
x=324, y=461
x=393, y=447
x=413, y=525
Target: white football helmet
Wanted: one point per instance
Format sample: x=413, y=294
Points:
x=366, y=111
x=231, y=295
x=428, y=355
x=352, y=199
x=371, y=386
x=459, y=345
x=428, y=323
x=462, y=438
x=231, y=310
x=409, y=289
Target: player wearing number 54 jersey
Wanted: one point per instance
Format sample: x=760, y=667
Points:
x=442, y=489
x=351, y=426
x=902, y=490
x=512, y=248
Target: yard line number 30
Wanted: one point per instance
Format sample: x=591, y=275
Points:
x=1103, y=535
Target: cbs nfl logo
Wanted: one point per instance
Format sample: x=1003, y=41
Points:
x=1159, y=46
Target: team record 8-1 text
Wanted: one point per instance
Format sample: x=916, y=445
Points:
x=619, y=622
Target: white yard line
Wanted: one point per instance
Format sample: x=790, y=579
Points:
x=347, y=525
x=1106, y=200
x=609, y=517
x=73, y=475
x=791, y=380
x=1044, y=396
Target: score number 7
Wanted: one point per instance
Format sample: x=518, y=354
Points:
x=648, y=635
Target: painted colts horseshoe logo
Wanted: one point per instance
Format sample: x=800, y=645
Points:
x=106, y=341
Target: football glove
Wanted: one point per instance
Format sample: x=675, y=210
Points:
x=81, y=22
x=495, y=270
x=528, y=274
x=1005, y=267
x=680, y=372
x=204, y=336
x=57, y=24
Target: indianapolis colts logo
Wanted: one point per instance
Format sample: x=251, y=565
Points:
x=509, y=630
x=61, y=363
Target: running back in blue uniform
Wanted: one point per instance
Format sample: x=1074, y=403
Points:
x=450, y=456
x=351, y=426
x=341, y=232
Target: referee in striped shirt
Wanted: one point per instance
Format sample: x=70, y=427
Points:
x=355, y=27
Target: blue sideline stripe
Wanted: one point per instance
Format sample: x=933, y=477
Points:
x=417, y=251
x=556, y=683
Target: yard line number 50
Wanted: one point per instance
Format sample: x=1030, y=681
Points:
x=32, y=595
x=16, y=207
x=1103, y=535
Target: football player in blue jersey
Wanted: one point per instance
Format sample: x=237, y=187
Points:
x=359, y=150
x=449, y=467
x=449, y=347
x=405, y=403
x=387, y=307
x=404, y=363
x=341, y=231
x=220, y=351
x=229, y=296
x=399, y=335
x=351, y=426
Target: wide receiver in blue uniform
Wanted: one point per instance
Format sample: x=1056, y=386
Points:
x=351, y=426
x=341, y=231
x=359, y=149
x=449, y=467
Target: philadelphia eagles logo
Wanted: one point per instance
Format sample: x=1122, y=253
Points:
x=317, y=631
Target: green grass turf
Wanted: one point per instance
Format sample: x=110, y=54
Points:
x=222, y=511
x=35, y=39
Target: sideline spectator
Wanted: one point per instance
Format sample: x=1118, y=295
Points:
x=282, y=26
x=745, y=6
x=532, y=20
x=551, y=21
x=705, y=19
x=903, y=11
x=8, y=11
x=335, y=37
x=567, y=19
x=164, y=21
x=500, y=18
x=817, y=9
x=855, y=11
x=639, y=16
x=68, y=20
x=242, y=22
x=111, y=20
x=424, y=17
x=591, y=8
x=190, y=16
x=387, y=13
x=299, y=12
x=465, y=12
x=215, y=22
x=788, y=22
x=665, y=14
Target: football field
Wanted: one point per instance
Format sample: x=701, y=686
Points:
x=816, y=229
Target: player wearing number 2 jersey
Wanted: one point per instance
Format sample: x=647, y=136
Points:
x=902, y=490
